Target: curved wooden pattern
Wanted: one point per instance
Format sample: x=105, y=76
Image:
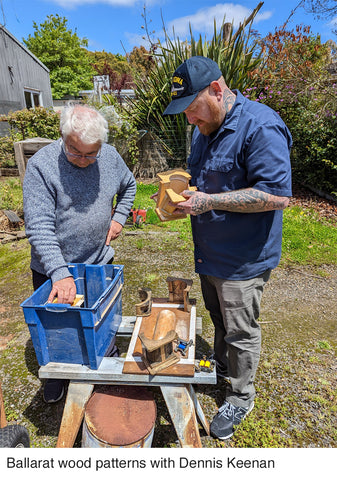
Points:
x=171, y=184
x=158, y=351
x=143, y=309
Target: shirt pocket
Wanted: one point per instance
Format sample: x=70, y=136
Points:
x=221, y=164
x=217, y=176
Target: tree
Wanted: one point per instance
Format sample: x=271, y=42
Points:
x=141, y=61
x=117, y=62
x=292, y=56
x=115, y=66
x=63, y=52
x=321, y=8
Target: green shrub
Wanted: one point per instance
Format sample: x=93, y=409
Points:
x=11, y=195
x=314, y=132
x=27, y=123
x=124, y=137
x=294, y=82
x=7, y=158
x=34, y=122
x=315, y=152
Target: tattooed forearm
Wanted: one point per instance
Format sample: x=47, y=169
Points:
x=247, y=201
x=201, y=203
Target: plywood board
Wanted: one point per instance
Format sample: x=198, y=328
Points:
x=186, y=326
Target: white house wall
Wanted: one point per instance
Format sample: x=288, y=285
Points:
x=20, y=69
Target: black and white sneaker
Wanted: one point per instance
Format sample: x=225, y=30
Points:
x=228, y=417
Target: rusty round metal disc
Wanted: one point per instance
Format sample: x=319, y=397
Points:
x=120, y=414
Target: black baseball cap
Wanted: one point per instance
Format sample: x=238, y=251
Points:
x=192, y=76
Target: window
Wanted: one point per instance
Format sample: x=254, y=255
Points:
x=32, y=98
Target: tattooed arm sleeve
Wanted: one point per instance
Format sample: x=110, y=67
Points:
x=248, y=200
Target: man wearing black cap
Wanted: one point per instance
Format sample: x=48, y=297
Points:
x=240, y=164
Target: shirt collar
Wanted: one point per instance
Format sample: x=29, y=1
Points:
x=232, y=117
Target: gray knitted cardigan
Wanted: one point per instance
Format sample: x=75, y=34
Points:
x=68, y=210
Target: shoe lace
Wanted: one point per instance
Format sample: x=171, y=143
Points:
x=227, y=410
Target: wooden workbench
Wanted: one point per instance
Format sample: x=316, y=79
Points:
x=178, y=393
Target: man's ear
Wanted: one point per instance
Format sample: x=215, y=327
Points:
x=217, y=90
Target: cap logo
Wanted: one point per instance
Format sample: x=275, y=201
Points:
x=174, y=90
x=178, y=80
x=178, y=86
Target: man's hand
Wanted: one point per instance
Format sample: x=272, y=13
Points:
x=114, y=231
x=64, y=290
x=196, y=203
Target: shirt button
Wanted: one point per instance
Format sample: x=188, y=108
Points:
x=199, y=260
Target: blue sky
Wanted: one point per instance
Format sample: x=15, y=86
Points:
x=115, y=25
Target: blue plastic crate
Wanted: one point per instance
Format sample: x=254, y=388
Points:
x=80, y=335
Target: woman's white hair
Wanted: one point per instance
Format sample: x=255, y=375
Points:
x=85, y=122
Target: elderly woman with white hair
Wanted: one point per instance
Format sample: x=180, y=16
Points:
x=77, y=194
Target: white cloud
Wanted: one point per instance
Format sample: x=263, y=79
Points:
x=114, y=3
x=203, y=19
x=137, y=40
x=333, y=22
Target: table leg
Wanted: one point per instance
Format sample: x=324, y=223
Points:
x=198, y=409
x=77, y=397
x=181, y=408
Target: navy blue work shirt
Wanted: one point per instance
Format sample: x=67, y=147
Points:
x=251, y=149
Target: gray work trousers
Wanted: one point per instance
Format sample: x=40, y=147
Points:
x=234, y=307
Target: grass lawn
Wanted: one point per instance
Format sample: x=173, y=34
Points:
x=307, y=239
x=296, y=382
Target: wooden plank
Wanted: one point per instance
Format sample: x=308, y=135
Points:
x=32, y=145
x=9, y=172
x=77, y=397
x=20, y=159
x=110, y=372
x=198, y=409
x=182, y=412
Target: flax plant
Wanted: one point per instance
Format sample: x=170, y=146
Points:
x=238, y=55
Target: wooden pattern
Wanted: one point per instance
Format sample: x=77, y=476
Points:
x=171, y=184
x=182, y=401
x=186, y=324
x=78, y=302
x=144, y=307
x=158, y=350
x=179, y=291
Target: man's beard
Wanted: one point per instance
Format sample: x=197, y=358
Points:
x=206, y=128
